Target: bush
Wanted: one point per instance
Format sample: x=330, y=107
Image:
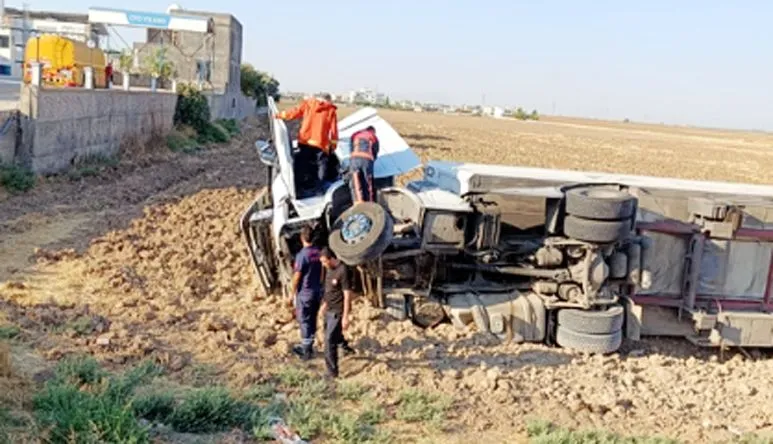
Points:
x=209, y=410
x=213, y=133
x=16, y=179
x=181, y=140
x=78, y=370
x=231, y=125
x=192, y=108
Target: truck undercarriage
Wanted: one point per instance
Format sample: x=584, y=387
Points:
x=580, y=260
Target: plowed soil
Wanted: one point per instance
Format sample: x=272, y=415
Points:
x=146, y=261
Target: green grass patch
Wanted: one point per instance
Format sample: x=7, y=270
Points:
x=544, y=432
x=71, y=414
x=350, y=391
x=16, y=179
x=213, y=133
x=182, y=140
x=209, y=410
x=230, y=125
x=81, y=325
x=91, y=165
x=9, y=331
x=85, y=404
x=260, y=393
x=293, y=377
x=418, y=406
x=78, y=370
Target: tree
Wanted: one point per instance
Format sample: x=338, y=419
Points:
x=126, y=61
x=258, y=84
x=520, y=114
x=157, y=65
x=534, y=115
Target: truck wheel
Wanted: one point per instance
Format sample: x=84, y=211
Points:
x=597, y=231
x=361, y=233
x=600, y=203
x=583, y=342
x=592, y=322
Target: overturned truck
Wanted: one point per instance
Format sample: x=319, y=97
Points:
x=574, y=259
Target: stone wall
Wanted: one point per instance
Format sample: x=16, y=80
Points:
x=69, y=124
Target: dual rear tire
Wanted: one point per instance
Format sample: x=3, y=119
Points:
x=598, y=214
x=591, y=331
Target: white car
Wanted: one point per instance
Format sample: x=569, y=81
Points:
x=575, y=259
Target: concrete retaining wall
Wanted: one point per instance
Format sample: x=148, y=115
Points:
x=69, y=124
x=231, y=105
x=7, y=137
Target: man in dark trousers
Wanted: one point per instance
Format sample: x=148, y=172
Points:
x=307, y=288
x=337, y=304
x=364, y=153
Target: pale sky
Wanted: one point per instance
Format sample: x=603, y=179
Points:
x=705, y=63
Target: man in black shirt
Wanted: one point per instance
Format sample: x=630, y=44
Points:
x=336, y=304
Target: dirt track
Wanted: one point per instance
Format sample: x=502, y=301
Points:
x=159, y=270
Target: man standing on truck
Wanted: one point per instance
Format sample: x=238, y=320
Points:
x=337, y=304
x=307, y=288
x=317, y=141
x=365, y=147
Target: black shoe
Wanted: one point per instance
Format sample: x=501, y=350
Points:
x=302, y=352
x=348, y=351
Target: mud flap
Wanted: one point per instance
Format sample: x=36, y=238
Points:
x=256, y=228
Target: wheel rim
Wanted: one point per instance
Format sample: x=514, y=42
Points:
x=355, y=228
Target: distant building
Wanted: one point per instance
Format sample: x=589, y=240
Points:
x=212, y=60
x=17, y=26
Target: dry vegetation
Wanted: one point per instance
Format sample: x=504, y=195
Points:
x=143, y=269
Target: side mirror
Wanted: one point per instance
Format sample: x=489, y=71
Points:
x=266, y=152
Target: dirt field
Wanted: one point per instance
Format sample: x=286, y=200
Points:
x=145, y=260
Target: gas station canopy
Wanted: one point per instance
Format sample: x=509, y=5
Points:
x=175, y=22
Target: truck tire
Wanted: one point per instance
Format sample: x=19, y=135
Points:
x=583, y=342
x=592, y=322
x=596, y=231
x=361, y=233
x=600, y=203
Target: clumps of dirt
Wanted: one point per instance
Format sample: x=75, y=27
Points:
x=178, y=273
x=190, y=250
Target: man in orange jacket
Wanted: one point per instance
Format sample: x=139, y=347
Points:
x=317, y=141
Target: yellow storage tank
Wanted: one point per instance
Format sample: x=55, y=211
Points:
x=63, y=61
